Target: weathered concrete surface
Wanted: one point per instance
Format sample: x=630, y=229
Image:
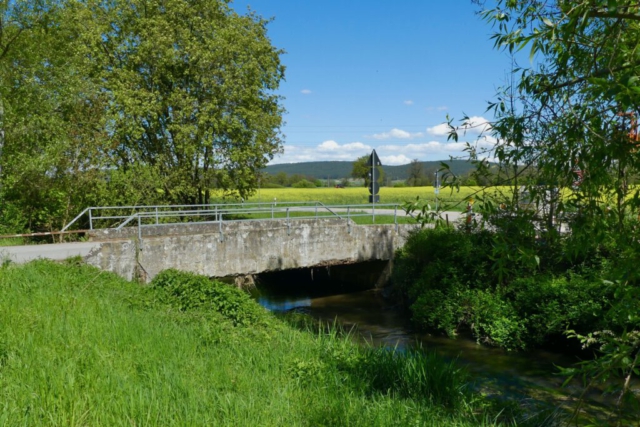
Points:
x=250, y=247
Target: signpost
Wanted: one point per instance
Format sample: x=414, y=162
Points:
x=374, y=185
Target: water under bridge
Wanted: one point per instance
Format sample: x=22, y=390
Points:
x=230, y=240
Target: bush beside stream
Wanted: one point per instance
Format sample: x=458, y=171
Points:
x=451, y=281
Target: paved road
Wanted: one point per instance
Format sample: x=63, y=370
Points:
x=54, y=251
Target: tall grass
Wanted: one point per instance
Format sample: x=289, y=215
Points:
x=83, y=347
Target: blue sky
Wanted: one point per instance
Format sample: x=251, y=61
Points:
x=380, y=74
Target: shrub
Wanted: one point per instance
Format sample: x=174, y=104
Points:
x=303, y=183
x=452, y=279
x=187, y=291
x=551, y=305
x=271, y=185
x=495, y=321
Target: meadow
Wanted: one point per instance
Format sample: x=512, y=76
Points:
x=83, y=347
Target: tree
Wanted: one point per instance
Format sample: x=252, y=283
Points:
x=571, y=117
x=53, y=156
x=575, y=110
x=191, y=90
x=416, y=176
x=362, y=168
x=95, y=96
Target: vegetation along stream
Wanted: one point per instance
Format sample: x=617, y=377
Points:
x=523, y=378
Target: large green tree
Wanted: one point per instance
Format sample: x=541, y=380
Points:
x=131, y=101
x=569, y=116
x=191, y=87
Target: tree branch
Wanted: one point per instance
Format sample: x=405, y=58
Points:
x=582, y=79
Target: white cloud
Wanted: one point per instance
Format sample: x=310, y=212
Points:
x=397, y=146
x=395, y=160
x=334, y=146
x=408, y=102
x=439, y=130
x=305, y=91
x=397, y=134
x=442, y=108
x=327, y=150
x=474, y=125
x=478, y=125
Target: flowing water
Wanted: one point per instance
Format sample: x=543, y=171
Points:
x=522, y=376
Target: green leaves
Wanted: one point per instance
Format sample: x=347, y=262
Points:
x=184, y=90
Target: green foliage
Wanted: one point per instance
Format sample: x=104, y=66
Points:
x=108, y=101
x=303, y=184
x=495, y=321
x=566, y=128
x=187, y=291
x=450, y=282
x=362, y=168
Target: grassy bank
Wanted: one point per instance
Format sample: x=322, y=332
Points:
x=83, y=347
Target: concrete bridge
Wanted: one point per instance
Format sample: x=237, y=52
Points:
x=237, y=249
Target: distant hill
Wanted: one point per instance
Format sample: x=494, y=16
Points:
x=338, y=170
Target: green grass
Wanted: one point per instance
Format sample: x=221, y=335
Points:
x=357, y=216
x=83, y=347
x=12, y=241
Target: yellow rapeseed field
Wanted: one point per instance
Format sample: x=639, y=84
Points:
x=357, y=195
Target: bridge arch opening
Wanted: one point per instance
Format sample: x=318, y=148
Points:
x=297, y=288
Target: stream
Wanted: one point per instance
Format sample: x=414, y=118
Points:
x=527, y=377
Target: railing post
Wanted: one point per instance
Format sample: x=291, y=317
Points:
x=395, y=216
x=272, y=208
x=90, y=220
x=288, y=223
x=316, y=210
x=156, y=215
x=348, y=221
x=220, y=226
x=139, y=232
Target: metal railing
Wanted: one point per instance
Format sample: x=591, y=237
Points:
x=97, y=213
x=226, y=214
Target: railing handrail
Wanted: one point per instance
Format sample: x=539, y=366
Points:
x=157, y=208
x=220, y=213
